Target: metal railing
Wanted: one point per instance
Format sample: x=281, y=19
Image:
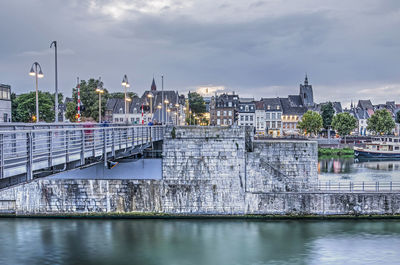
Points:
x=26, y=151
x=361, y=186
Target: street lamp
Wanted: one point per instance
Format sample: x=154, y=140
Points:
x=166, y=101
x=54, y=43
x=100, y=91
x=34, y=72
x=126, y=84
x=150, y=96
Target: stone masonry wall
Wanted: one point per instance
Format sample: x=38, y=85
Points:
x=205, y=171
x=282, y=165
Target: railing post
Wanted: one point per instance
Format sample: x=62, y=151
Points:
x=377, y=185
x=350, y=186
x=2, y=156
x=390, y=186
x=126, y=138
x=363, y=185
x=29, y=145
x=133, y=137
x=339, y=186
x=142, y=135
x=66, y=147
x=105, y=147
x=50, y=159
x=113, y=142
x=83, y=147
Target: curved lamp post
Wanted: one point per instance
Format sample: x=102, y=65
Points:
x=54, y=43
x=126, y=84
x=34, y=72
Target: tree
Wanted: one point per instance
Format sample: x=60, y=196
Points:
x=311, y=122
x=71, y=111
x=25, y=107
x=381, y=122
x=121, y=95
x=398, y=117
x=344, y=123
x=90, y=99
x=14, y=107
x=327, y=113
x=196, y=103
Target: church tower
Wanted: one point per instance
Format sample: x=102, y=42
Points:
x=153, y=86
x=306, y=93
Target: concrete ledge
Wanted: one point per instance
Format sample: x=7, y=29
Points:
x=140, y=215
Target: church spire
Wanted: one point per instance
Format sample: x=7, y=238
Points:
x=153, y=86
x=306, y=80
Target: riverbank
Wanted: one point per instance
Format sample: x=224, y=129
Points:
x=326, y=152
x=140, y=215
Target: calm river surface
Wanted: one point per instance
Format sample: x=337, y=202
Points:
x=231, y=242
x=348, y=169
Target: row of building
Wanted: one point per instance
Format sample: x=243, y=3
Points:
x=269, y=116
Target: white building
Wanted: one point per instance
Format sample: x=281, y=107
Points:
x=5, y=103
x=247, y=109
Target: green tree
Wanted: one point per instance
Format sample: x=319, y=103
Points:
x=381, y=122
x=90, y=99
x=25, y=105
x=71, y=111
x=14, y=107
x=196, y=103
x=311, y=122
x=327, y=113
x=121, y=95
x=344, y=123
x=398, y=117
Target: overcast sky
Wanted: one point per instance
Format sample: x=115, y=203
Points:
x=350, y=49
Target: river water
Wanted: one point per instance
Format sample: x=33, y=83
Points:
x=192, y=242
x=349, y=169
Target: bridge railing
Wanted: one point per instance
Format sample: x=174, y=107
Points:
x=26, y=151
x=359, y=186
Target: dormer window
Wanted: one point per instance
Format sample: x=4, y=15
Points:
x=277, y=107
x=247, y=107
x=268, y=107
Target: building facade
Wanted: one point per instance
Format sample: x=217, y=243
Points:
x=5, y=103
x=223, y=109
x=246, y=112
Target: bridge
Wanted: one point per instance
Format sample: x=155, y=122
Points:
x=27, y=151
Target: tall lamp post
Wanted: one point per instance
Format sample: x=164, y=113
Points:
x=166, y=101
x=34, y=72
x=150, y=96
x=125, y=84
x=177, y=108
x=100, y=90
x=54, y=43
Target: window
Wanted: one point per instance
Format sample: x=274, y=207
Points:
x=258, y=119
x=224, y=112
x=247, y=108
x=246, y=118
x=229, y=104
x=251, y=118
x=273, y=116
x=218, y=122
x=273, y=125
x=224, y=121
x=230, y=113
x=218, y=113
x=279, y=124
x=268, y=107
x=5, y=117
x=268, y=116
x=116, y=119
x=241, y=117
x=121, y=119
x=278, y=107
x=132, y=119
x=278, y=115
x=230, y=121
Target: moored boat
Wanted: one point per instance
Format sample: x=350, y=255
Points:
x=380, y=147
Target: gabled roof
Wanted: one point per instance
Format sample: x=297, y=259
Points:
x=295, y=101
x=365, y=104
x=289, y=109
x=273, y=103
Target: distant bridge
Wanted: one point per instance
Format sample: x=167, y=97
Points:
x=28, y=150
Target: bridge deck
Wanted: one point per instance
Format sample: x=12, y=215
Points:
x=24, y=152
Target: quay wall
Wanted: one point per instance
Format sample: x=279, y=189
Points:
x=205, y=171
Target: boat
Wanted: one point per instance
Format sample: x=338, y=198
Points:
x=382, y=147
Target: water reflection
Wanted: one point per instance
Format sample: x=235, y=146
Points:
x=46, y=241
x=348, y=168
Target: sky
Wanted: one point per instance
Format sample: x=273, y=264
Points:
x=350, y=50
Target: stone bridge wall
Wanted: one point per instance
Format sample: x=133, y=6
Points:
x=205, y=171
